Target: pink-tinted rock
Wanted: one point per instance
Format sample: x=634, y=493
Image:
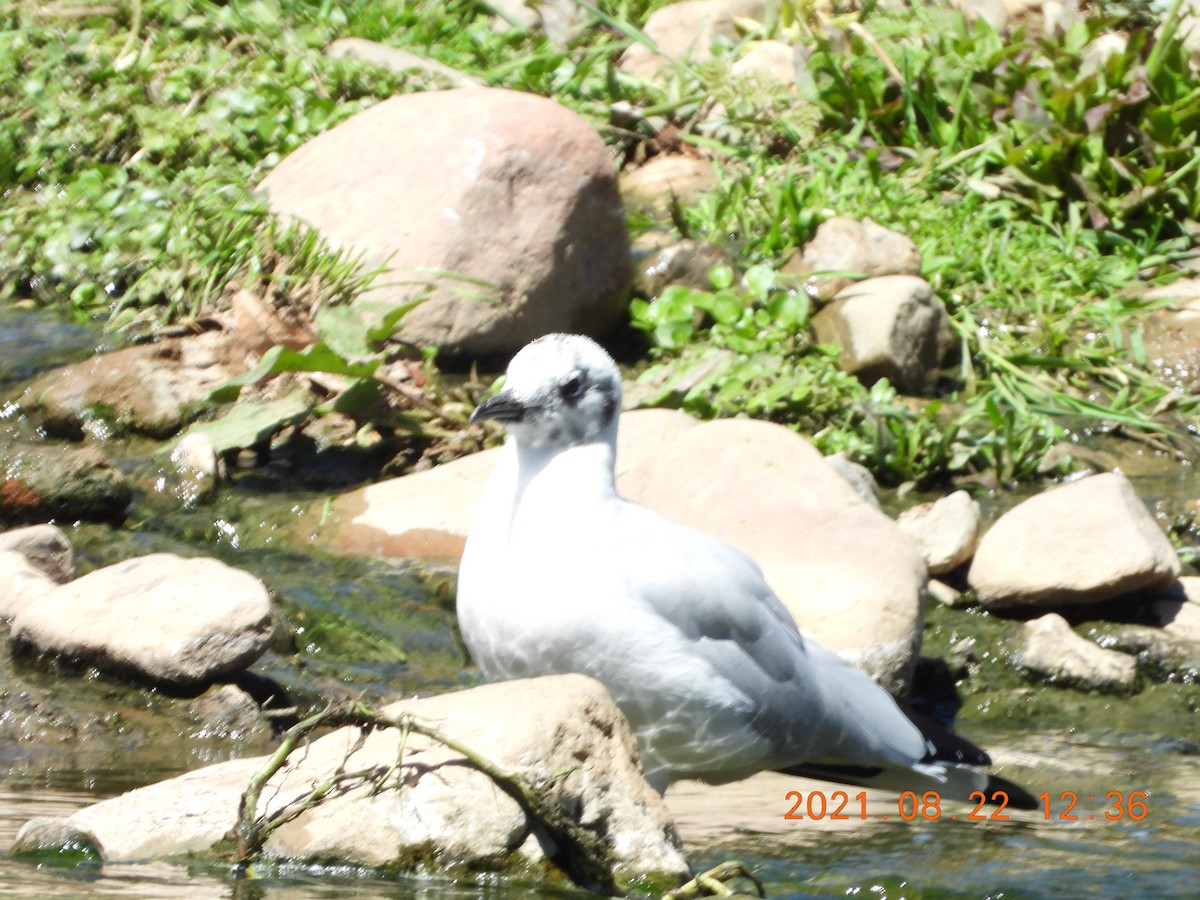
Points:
x=415, y=804
x=147, y=388
x=500, y=207
x=159, y=617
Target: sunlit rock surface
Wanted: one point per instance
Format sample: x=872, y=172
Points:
x=160, y=618
x=1083, y=542
x=498, y=209
x=417, y=803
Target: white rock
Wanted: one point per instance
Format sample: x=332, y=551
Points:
x=993, y=12
x=1052, y=650
x=513, y=13
x=776, y=61
x=1083, y=542
x=1097, y=53
x=561, y=732
x=860, y=248
x=946, y=531
x=1189, y=31
x=889, y=327
x=198, y=467
x=946, y=595
x=160, y=617
x=20, y=583
x=687, y=31
x=1179, y=614
x=46, y=548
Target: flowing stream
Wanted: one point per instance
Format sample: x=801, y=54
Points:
x=1126, y=770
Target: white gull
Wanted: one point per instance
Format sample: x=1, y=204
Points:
x=561, y=574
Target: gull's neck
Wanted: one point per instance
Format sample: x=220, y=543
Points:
x=572, y=474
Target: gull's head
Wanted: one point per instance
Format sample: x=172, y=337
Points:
x=559, y=391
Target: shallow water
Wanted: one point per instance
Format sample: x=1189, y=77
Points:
x=32, y=340
x=877, y=853
x=387, y=629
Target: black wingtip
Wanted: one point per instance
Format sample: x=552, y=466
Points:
x=946, y=746
x=1015, y=796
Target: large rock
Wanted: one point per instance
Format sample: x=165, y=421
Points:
x=160, y=618
x=687, y=31
x=843, y=250
x=890, y=327
x=149, y=388
x=46, y=548
x=419, y=804
x=1052, y=651
x=502, y=207
x=1084, y=542
x=853, y=580
x=40, y=481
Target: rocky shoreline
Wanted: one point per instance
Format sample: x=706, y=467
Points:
x=166, y=624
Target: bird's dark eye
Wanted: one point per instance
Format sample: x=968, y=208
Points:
x=572, y=388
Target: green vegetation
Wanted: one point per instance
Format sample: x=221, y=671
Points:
x=1039, y=181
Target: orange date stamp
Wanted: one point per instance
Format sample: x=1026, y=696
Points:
x=844, y=806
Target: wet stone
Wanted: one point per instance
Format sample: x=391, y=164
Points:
x=45, y=547
x=160, y=618
x=44, y=481
x=1053, y=651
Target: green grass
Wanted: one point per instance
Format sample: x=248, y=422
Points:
x=1038, y=187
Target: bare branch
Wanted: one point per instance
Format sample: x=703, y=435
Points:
x=582, y=853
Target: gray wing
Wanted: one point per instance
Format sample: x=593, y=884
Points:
x=808, y=703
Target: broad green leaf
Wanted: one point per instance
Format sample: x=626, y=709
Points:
x=253, y=421
x=360, y=397
x=721, y=276
x=759, y=281
x=343, y=329
x=377, y=334
x=317, y=358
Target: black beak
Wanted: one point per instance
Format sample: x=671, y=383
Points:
x=503, y=408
